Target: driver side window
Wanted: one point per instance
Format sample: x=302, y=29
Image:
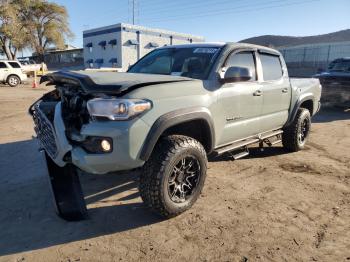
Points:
x=161, y=65
x=243, y=59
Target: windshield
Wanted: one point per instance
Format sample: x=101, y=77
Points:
x=343, y=65
x=194, y=62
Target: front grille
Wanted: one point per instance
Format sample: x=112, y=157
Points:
x=45, y=132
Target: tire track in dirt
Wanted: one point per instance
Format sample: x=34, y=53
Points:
x=299, y=168
x=345, y=162
x=320, y=235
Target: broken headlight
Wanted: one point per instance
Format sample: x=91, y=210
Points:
x=117, y=109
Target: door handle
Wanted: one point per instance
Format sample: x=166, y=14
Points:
x=285, y=90
x=257, y=93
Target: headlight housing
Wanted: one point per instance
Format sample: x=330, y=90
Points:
x=117, y=109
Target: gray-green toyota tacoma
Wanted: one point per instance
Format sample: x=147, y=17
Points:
x=173, y=108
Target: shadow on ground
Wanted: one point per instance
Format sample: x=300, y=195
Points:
x=27, y=218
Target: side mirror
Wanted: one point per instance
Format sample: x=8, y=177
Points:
x=236, y=74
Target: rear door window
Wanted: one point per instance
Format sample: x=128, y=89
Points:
x=272, y=68
x=243, y=59
x=2, y=65
x=14, y=64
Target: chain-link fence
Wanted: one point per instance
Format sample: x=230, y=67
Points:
x=307, y=60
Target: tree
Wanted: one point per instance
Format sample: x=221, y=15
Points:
x=35, y=23
x=46, y=22
x=13, y=34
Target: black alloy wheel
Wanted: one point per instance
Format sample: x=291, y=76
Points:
x=183, y=181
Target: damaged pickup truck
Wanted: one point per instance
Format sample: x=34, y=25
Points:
x=174, y=107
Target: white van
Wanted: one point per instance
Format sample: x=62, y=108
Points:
x=11, y=72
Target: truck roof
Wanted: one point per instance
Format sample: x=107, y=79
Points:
x=211, y=44
x=222, y=44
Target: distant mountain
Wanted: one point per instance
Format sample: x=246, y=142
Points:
x=278, y=41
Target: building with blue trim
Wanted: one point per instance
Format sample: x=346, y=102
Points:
x=121, y=45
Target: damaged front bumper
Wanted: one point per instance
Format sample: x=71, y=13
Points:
x=127, y=138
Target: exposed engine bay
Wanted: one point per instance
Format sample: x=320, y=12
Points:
x=73, y=101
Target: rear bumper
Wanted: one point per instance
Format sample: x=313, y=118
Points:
x=127, y=136
x=24, y=78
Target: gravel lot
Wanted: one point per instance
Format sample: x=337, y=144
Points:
x=270, y=206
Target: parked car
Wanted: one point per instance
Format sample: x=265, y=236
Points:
x=30, y=66
x=338, y=72
x=174, y=107
x=11, y=72
x=336, y=83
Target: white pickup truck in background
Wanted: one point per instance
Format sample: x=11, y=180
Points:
x=30, y=66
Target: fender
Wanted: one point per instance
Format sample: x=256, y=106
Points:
x=297, y=105
x=173, y=118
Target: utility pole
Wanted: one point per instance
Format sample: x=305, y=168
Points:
x=133, y=12
x=133, y=8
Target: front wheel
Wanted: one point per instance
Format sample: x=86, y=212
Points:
x=172, y=179
x=13, y=81
x=295, y=136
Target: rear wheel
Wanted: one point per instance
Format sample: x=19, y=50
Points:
x=173, y=178
x=13, y=80
x=295, y=136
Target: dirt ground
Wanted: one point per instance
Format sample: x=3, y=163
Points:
x=270, y=206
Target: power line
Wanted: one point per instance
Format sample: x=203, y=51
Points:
x=185, y=4
x=194, y=4
x=221, y=3
x=228, y=11
x=235, y=9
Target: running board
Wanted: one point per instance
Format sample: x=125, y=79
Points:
x=271, y=134
x=276, y=142
x=241, y=154
x=246, y=142
x=236, y=145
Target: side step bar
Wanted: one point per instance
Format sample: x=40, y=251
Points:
x=242, y=154
x=236, y=145
x=242, y=144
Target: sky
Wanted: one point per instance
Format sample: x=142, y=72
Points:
x=221, y=20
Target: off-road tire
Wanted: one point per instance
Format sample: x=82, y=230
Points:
x=290, y=138
x=13, y=80
x=156, y=172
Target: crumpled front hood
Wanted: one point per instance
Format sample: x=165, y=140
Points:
x=108, y=82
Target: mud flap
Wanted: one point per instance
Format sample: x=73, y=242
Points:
x=66, y=191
